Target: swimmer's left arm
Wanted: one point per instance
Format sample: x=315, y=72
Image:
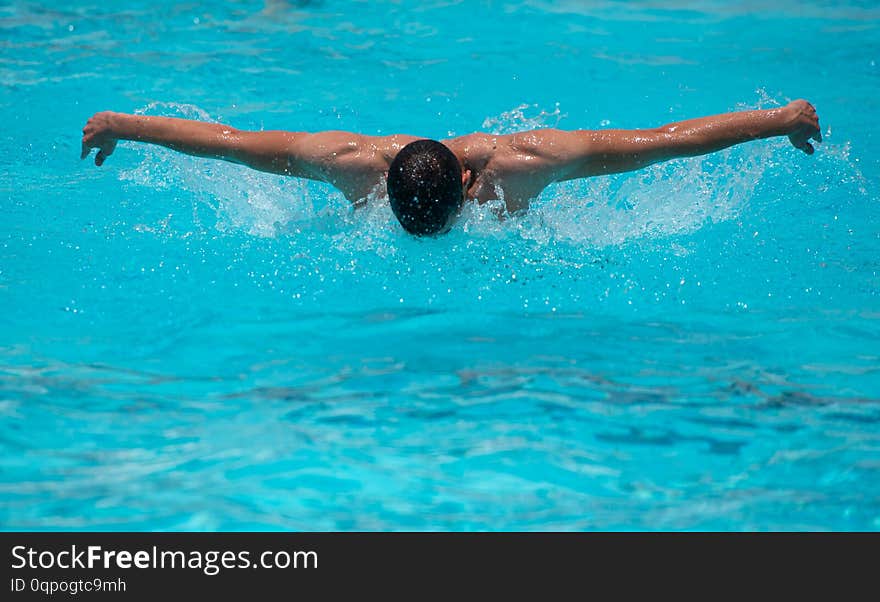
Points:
x=354, y=163
x=585, y=153
x=299, y=154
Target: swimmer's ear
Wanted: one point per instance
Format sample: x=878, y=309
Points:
x=465, y=177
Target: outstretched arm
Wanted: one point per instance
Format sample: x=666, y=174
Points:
x=560, y=155
x=351, y=162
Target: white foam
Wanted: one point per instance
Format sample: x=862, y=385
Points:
x=240, y=198
x=665, y=199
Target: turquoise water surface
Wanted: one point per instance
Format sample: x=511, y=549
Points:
x=187, y=344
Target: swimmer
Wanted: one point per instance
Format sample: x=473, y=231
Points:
x=427, y=182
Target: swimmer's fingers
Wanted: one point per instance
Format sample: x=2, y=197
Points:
x=814, y=129
x=105, y=151
x=805, y=126
x=806, y=147
x=97, y=134
x=800, y=142
x=817, y=135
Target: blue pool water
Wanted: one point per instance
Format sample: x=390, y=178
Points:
x=191, y=345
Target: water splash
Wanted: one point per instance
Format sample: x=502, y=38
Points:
x=518, y=120
x=665, y=199
x=668, y=199
x=240, y=199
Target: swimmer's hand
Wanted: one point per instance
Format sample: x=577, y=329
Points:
x=801, y=124
x=98, y=133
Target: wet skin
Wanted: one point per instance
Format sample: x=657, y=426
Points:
x=515, y=167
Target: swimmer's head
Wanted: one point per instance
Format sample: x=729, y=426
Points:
x=425, y=187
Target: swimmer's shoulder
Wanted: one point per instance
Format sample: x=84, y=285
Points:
x=476, y=148
x=389, y=146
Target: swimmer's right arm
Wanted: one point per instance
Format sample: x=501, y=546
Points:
x=325, y=156
x=556, y=155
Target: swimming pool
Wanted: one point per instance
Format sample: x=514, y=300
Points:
x=191, y=345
